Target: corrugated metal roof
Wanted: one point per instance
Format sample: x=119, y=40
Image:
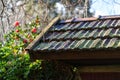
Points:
x=89, y=33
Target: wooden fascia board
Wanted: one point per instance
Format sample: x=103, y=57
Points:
x=36, y=40
x=77, y=55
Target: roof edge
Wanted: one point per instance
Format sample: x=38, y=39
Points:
x=36, y=40
x=78, y=20
x=90, y=18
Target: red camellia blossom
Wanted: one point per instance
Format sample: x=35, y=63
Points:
x=16, y=23
x=17, y=30
x=34, y=30
x=25, y=41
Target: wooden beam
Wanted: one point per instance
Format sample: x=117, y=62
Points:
x=77, y=55
x=105, y=68
x=36, y=40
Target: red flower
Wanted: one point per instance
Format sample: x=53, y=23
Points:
x=17, y=30
x=34, y=30
x=25, y=41
x=16, y=23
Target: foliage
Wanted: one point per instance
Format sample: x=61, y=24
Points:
x=15, y=63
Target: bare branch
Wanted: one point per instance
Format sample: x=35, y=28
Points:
x=3, y=6
x=116, y=2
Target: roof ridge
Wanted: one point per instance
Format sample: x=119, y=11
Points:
x=91, y=18
x=109, y=16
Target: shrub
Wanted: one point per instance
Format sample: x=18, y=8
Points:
x=15, y=63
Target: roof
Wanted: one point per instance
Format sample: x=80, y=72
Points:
x=102, y=33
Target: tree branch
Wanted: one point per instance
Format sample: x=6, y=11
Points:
x=3, y=6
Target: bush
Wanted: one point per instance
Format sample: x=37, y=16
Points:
x=15, y=63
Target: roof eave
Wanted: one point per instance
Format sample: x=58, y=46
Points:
x=77, y=54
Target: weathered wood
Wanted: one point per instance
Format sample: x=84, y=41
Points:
x=36, y=40
x=81, y=57
x=105, y=68
x=75, y=55
x=100, y=75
